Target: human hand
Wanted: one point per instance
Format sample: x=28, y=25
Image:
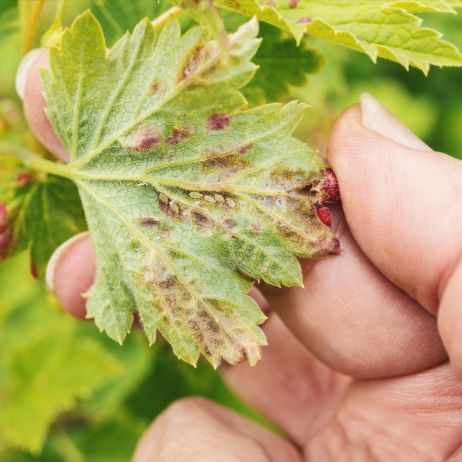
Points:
x=356, y=369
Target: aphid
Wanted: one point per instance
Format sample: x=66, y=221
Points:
x=279, y=202
x=219, y=198
x=163, y=198
x=175, y=208
x=196, y=195
x=209, y=198
x=230, y=202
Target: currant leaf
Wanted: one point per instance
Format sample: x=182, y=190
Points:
x=45, y=377
x=379, y=28
x=187, y=196
x=282, y=65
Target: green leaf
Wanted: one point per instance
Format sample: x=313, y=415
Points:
x=385, y=29
x=46, y=376
x=9, y=21
x=281, y=65
x=187, y=197
x=40, y=213
x=119, y=16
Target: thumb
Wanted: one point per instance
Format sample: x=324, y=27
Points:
x=29, y=87
x=403, y=205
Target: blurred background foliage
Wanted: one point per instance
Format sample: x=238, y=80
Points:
x=68, y=393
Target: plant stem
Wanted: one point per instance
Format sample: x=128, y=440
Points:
x=35, y=162
x=165, y=17
x=66, y=448
x=30, y=23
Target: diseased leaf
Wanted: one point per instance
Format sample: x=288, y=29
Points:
x=187, y=197
x=379, y=28
x=281, y=65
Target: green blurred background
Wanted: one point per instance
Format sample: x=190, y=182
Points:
x=67, y=393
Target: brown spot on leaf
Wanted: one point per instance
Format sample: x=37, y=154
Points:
x=229, y=223
x=294, y=3
x=149, y=221
x=218, y=121
x=327, y=246
x=200, y=219
x=154, y=88
x=231, y=158
x=142, y=139
x=304, y=20
x=192, y=64
x=177, y=136
x=256, y=229
x=168, y=282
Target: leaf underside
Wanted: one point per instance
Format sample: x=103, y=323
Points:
x=188, y=198
x=386, y=29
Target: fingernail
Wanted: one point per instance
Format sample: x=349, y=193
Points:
x=58, y=254
x=23, y=70
x=378, y=119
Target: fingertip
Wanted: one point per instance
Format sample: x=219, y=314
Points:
x=71, y=272
x=450, y=318
x=24, y=68
x=29, y=86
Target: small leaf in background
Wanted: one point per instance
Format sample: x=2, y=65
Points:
x=281, y=65
x=45, y=377
x=385, y=29
x=186, y=196
x=38, y=213
x=9, y=21
x=119, y=16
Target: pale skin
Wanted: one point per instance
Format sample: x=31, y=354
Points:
x=357, y=365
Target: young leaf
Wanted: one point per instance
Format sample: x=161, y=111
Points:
x=379, y=28
x=118, y=16
x=281, y=65
x=186, y=197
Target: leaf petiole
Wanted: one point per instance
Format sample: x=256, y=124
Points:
x=36, y=162
x=167, y=16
